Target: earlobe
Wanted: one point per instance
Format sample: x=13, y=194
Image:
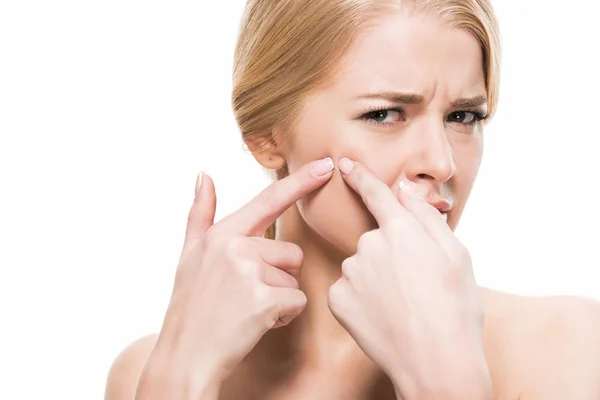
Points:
x=266, y=151
x=269, y=159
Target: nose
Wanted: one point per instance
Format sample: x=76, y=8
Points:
x=429, y=156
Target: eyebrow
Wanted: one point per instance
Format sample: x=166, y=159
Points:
x=395, y=97
x=471, y=102
x=412, y=98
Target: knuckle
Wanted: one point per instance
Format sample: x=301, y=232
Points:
x=293, y=282
x=265, y=308
x=348, y=266
x=249, y=270
x=278, y=276
x=299, y=302
x=295, y=252
x=335, y=294
x=454, y=278
x=211, y=238
x=235, y=246
x=365, y=241
x=303, y=299
x=260, y=293
x=451, y=279
x=361, y=245
x=461, y=257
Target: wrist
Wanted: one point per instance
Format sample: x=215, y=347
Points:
x=447, y=390
x=169, y=375
x=157, y=383
x=467, y=380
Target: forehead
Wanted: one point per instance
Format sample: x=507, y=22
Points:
x=414, y=53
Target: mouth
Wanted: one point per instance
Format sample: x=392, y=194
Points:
x=444, y=206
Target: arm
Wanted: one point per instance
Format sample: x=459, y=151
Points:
x=125, y=371
x=224, y=266
x=408, y=295
x=464, y=378
x=138, y=373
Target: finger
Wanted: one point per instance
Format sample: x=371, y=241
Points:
x=429, y=217
x=290, y=303
x=276, y=277
x=338, y=300
x=256, y=216
x=283, y=255
x=376, y=195
x=202, y=213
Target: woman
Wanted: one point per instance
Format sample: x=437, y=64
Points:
x=371, y=113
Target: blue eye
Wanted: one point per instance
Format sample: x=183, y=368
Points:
x=466, y=117
x=384, y=116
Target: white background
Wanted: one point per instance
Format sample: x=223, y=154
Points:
x=109, y=108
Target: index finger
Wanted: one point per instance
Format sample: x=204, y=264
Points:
x=256, y=216
x=377, y=196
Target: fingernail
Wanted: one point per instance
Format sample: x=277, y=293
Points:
x=198, y=183
x=345, y=166
x=410, y=188
x=322, y=167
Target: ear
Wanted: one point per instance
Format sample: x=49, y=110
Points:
x=266, y=150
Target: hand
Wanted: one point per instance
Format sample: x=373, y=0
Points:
x=408, y=296
x=232, y=285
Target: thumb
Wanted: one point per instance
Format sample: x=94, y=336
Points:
x=202, y=213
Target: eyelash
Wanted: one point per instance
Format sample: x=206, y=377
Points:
x=478, y=116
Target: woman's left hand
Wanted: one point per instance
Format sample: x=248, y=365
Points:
x=409, y=298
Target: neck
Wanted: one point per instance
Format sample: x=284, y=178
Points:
x=314, y=337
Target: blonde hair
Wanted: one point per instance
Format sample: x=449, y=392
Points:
x=287, y=49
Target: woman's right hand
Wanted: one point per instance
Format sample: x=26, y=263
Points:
x=231, y=286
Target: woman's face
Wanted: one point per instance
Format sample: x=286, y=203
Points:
x=407, y=103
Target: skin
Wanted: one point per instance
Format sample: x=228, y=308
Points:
x=534, y=348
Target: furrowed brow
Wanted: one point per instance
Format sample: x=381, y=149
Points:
x=471, y=102
x=395, y=97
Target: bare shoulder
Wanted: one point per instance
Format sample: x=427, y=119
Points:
x=124, y=373
x=551, y=345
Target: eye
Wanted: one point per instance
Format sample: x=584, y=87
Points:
x=384, y=116
x=466, y=117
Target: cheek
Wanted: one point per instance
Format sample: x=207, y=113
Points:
x=337, y=214
x=334, y=211
x=467, y=161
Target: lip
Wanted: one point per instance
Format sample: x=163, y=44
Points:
x=434, y=197
x=443, y=205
